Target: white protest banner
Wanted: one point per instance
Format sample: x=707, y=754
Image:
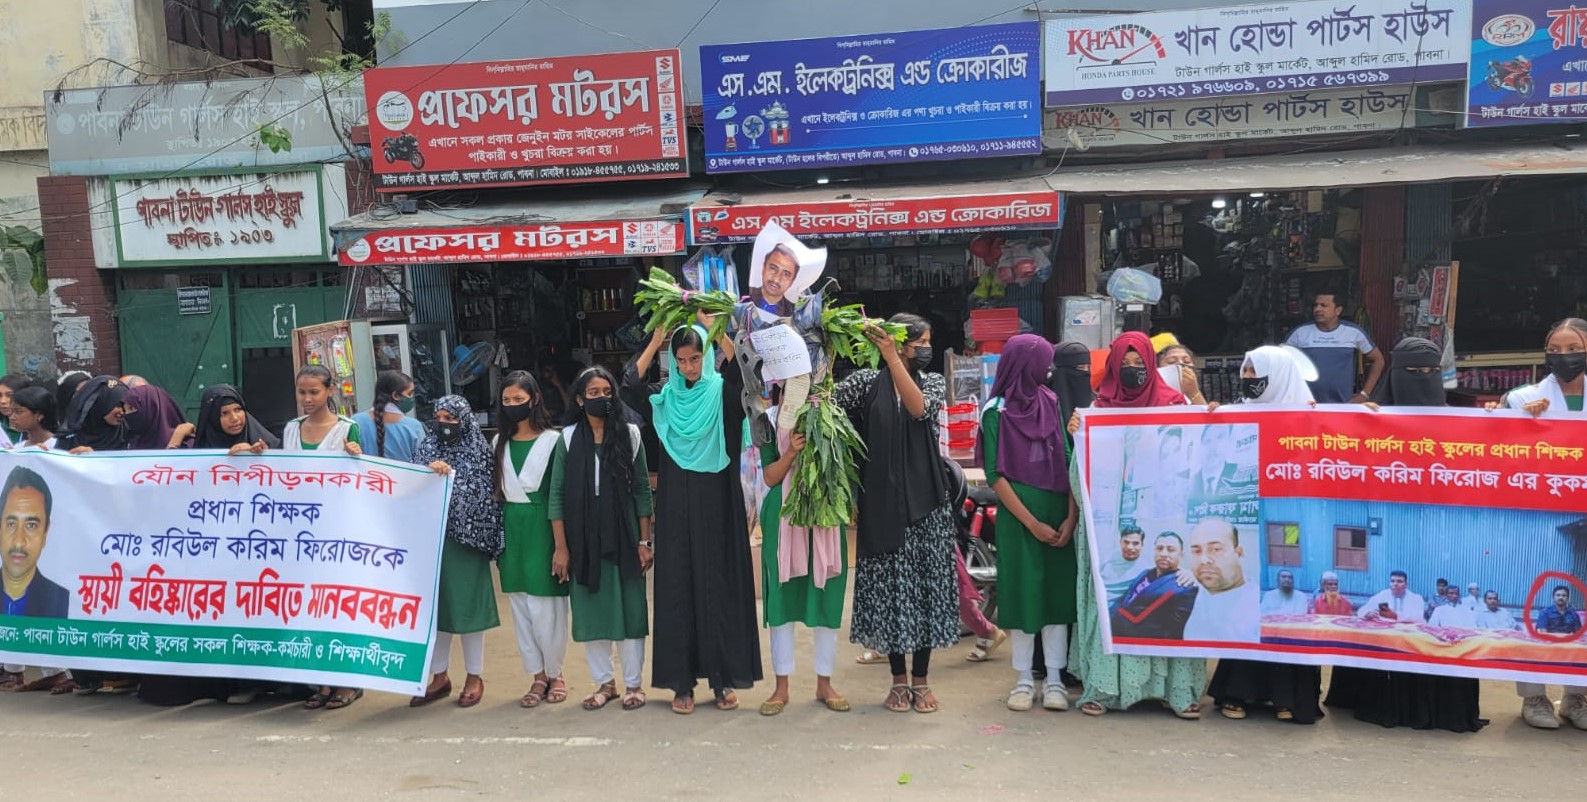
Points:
x=782, y=351
x=1314, y=536
x=312, y=568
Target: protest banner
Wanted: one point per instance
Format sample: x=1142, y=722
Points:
x=311, y=568
x=1241, y=513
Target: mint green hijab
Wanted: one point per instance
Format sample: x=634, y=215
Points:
x=688, y=419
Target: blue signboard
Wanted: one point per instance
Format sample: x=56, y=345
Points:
x=959, y=93
x=1528, y=63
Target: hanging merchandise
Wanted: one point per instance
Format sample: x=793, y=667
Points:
x=1129, y=285
x=1024, y=261
x=712, y=268
x=341, y=358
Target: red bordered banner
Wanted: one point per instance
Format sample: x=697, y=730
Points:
x=514, y=243
x=710, y=222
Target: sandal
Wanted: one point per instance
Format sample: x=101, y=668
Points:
x=1191, y=713
x=118, y=686
x=633, y=698
x=602, y=696
x=536, y=694
x=470, y=698
x=430, y=696
x=1284, y=714
x=315, y=702
x=1094, y=709
x=12, y=681
x=985, y=647
x=42, y=683
x=726, y=700
x=871, y=657
x=557, y=691
x=898, y=699
x=64, y=684
x=925, y=700
x=341, y=700
x=683, y=704
x=1232, y=711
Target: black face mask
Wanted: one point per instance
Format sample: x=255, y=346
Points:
x=922, y=357
x=1133, y=378
x=139, y=422
x=1565, y=367
x=1253, y=388
x=598, y=407
x=447, y=433
x=514, y=414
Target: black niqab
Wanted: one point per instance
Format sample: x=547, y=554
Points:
x=1071, y=379
x=1413, y=388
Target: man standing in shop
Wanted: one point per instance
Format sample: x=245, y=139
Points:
x=1332, y=343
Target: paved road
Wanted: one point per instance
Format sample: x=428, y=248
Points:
x=103, y=747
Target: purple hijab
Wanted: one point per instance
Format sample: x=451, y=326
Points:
x=159, y=416
x=1030, y=443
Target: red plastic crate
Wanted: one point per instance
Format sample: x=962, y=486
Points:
x=993, y=324
x=991, y=346
x=961, y=429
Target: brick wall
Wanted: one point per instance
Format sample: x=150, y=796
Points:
x=83, y=298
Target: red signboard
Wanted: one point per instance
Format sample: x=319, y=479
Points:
x=1000, y=211
x=534, y=121
x=515, y=243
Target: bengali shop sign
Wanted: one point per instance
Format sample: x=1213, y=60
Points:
x=1315, y=536
x=959, y=93
x=1216, y=119
x=234, y=217
x=515, y=243
x=317, y=569
x=1528, y=63
x=1242, y=50
x=710, y=222
x=607, y=117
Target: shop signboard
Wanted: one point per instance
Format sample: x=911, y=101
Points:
x=1007, y=211
x=958, y=93
x=247, y=217
x=1216, y=119
x=610, y=117
x=1528, y=63
x=200, y=125
x=515, y=243
x=1253, y=49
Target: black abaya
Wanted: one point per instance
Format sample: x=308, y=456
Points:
x=705, y=623
x=1249, y=683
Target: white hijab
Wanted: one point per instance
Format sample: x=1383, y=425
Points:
x=1286, y=369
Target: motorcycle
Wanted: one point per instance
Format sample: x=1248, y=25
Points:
x=403, y=148
x=975, y=517
x=1514, y=75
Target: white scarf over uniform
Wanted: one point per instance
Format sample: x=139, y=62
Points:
x=1286, y=369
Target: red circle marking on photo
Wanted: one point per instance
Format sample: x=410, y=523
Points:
x=1537, y=586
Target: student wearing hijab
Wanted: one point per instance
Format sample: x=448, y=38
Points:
x=1119, y=681
x=601, y=504
x=1071, y=379
x=1558, y=395
x=224, y=422
x=152, y=419
x=906, y=592
x=465, y=601
x=1271, y=375
x=93, y=420
x=1403, y=698
x=392, y=433
x=10, y=385
x=534, y=560
x=1027, y=465
x=705, y=582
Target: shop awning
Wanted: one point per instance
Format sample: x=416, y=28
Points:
x=852, y=210
x=610, y=222
x=1351, y=168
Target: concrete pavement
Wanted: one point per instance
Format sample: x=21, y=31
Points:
x=103, y=746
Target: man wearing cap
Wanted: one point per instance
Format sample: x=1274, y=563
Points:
x=782, y=271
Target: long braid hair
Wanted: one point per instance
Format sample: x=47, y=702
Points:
x=388, y=386
x=539, y=418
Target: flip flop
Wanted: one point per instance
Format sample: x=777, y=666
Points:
x=727, y=700
x=683, y=705
x=871, y=658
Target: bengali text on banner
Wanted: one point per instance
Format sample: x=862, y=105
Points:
x=319, y=569
x=1316, y=536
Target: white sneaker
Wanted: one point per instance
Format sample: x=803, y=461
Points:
x=1538, y=711
x=1054, y=697
x=1573, y=708
x=1022, y=698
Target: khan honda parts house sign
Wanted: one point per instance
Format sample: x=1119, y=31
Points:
x=532, y=121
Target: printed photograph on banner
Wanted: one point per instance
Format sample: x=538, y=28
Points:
x=1449, y=542
x=314, y=569
x=1180, y=568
